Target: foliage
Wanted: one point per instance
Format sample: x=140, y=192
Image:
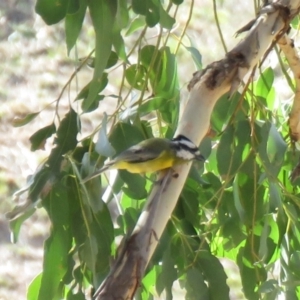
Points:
x=241, y=206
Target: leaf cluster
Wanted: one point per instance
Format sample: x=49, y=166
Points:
x=240, y=206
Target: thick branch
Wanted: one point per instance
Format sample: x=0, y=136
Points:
x=205, y=88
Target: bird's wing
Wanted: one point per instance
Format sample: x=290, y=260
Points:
x=136, y=155
x=97, y=173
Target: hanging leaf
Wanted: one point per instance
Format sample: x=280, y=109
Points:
x=73, y=22
x=196, y=56
x=34, y=287
x=58, y=245
x=135, y=25
x=135, y=76
x=18, y=122
x=103, y=146
x=165, y=20
x=66, y=135
x=52, y=11
x=102, y=13
x=88, y=102
x=215, y=275
x=38, y=139
x=150, y=9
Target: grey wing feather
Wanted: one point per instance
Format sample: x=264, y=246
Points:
x=97, y=173
x=138, y=155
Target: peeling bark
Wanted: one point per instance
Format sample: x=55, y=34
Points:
x=205, y=88
x=288, y=48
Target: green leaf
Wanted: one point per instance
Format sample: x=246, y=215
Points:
x=295, y=263
x=135, y=76
x=268, y=286
x=122, y=15
x=135, y=185
x=88, y=252
x=166, y=21
x=38, y=139
x=195, y=285
x=149, y=280
x=125, y=135
x=58, y=245
x=149, y=8
x=51, y=11
x=252, y=198
x=89, y=103
x=119, y=45
x=55, y=263
x=85, y=91
x=149, y=53
x=248, y=276
x=276, y=147
x=66, y=135
x=130, y=217
x=271, y=149
x=266, y=245
x=225, y=151
x=18, y=122
x=153, y=13
x=232, y=146
x=196, y=56
x=295, y=22
x=34, y=287
x=66, y=140
x=73, y=22
x=156, y=103
x=112, y=60
x=264, y=83
x=237, y=200
x=16, y=223
x=135, y=25
x=225, y=108
x=40, y=180
x=140, y=6
x=103, y=14
x=167, y=276
x=165, y=81
x=103, y=146
x=214, y=275
x=78, y=296
x=96, y=250
x=177, y=2
x=190, y=204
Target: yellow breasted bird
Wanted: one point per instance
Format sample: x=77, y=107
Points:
x=153, y=155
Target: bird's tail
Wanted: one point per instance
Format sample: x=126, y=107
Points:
x=95, y=174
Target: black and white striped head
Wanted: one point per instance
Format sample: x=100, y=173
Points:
x=186, y=149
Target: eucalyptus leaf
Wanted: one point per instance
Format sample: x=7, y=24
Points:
x=38, y=139
x=102, y=14
x=34, y=287
x=135, y=25
x=103, y=146
x=52, y=11
x=73, y=22
x=196, y=56
x=18, y=122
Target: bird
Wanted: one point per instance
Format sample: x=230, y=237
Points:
x=152, y=155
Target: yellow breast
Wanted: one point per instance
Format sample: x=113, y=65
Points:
x=161, y=162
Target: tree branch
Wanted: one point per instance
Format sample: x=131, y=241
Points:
x=206, y=87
